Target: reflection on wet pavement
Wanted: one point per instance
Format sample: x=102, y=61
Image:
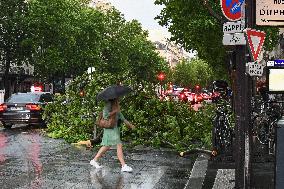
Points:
x=3, y=143
x=103, y=178
x=33, y=153
x=30, y=160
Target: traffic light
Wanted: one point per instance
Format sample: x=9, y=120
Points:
x=197, y=88
x=161, y=76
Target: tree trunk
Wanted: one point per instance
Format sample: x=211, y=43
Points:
x=6, y=78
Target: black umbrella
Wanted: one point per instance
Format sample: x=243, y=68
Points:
x=113, y=92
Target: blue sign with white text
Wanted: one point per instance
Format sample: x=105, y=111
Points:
x=278, y=62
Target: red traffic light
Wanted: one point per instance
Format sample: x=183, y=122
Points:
x=161, y=76
x=197, y=87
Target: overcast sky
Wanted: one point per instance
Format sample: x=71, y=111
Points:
x=142, y=10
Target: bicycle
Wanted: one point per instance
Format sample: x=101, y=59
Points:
x=222, y=133
x=265, y=124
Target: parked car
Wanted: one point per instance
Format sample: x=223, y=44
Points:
x=220, y=89
x=24, y=108
x=206, y=96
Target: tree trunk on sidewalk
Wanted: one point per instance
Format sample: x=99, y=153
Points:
x=6, y=78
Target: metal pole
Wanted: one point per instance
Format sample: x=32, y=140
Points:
x=250, y=7
x=240, y=119
x=243, y=111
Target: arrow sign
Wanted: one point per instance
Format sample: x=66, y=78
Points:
x=255, y=41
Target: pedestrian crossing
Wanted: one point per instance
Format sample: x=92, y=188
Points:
x=224, y=178
x=197, y=174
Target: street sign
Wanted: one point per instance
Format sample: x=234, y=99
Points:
x=233, y=27
x=232, y=9
x=255, y=41
x=279, y=63
x=270, y=12
x=254, y=69
x=234, y=39
x=270, y=63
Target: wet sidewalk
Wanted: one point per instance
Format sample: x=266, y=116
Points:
x=29, y=160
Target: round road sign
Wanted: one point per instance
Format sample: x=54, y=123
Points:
x=232, y=9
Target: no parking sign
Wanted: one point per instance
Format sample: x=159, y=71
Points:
x=232, y=9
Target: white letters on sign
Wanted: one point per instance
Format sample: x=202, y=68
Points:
x=254, y=69
x=233, y=27
x=234, y=39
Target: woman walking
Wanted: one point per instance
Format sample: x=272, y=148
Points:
x=111, y=137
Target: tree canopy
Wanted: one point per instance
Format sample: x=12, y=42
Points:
x=69, y=36
x=13, y=49
x=192, y=73
x=197, y=24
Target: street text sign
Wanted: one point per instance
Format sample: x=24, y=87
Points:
x=270, y=63
x=233, y=27
x=270, y=12
x=234, y=39
x=255, y=69
x=278, y=62
x=255, y=42
x=232, y=9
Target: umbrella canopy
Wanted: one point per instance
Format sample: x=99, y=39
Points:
x=113, y=92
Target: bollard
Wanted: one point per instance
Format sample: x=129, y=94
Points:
x=279, y=155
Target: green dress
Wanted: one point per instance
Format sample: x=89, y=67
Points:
x=111, y=136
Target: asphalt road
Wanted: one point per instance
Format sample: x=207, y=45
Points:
x=28, y=160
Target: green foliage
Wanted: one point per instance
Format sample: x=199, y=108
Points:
x=197, y=24
x=158, y=123
x=191, y=73
x=167, y=123
x=71, y=115
x=68, y=37
x=14, y=50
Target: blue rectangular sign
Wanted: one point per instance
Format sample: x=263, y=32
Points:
x=278, y=62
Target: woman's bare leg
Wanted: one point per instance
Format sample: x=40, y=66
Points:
x=120, y=154
x=101, y=152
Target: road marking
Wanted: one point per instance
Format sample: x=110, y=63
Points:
x=198, y=173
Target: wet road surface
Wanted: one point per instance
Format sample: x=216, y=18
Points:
x=29, y=160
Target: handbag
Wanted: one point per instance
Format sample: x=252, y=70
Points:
x=106, y=123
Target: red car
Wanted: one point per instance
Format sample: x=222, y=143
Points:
x=198, y=98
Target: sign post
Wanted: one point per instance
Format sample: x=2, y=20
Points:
x=235, y=10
